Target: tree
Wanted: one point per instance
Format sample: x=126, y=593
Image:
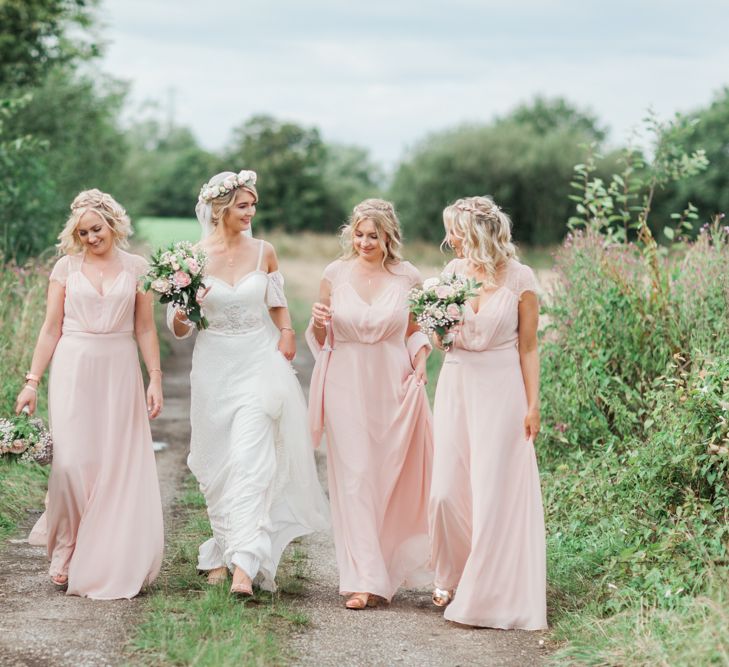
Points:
x=709, y=191
x=33, y=38
x=164, y=170
x=523, y=160
x=350, y=175
x=290, y=161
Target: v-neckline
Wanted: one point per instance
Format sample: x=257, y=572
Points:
x=369, y=304
x=481, y=306
x=93, y=287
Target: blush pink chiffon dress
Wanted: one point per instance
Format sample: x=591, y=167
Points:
x=486, y=513
x=377, y=420
x=103, y=520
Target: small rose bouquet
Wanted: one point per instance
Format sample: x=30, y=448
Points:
x=438, y=307
x=176, y=274
x=26, y=438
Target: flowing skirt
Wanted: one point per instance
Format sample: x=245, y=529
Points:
x=103, y=522
x=251, y=453
x=379, y=456
x=486, y=514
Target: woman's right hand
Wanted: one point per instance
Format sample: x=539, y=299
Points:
x=26, y=398
x=321, y=314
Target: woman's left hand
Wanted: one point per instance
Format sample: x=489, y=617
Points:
x=532, y=424
x=154, y=397
x=420, y=368
x=287, y=344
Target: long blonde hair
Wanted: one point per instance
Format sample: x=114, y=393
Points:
x=484, y=231
x=382, y=213
x=106, y=207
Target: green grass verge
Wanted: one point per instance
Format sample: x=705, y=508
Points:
x=187, y=622
x=21, y=313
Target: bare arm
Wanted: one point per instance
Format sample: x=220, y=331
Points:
x=320, y=311
x=280, y=315
x=48, y=337
x=145, y=331
x=529, y=360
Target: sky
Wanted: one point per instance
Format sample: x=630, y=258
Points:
x=384, y=74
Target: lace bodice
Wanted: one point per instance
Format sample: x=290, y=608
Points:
x=242, y=308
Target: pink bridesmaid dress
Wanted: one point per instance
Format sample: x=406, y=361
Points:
x=379, y=440
x=103, y=520
x=486, y=515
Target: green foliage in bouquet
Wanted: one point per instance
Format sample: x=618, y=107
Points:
x=176, y=273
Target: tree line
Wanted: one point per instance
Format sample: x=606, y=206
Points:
x=61, y=131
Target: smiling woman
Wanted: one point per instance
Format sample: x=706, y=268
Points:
x=103, y=521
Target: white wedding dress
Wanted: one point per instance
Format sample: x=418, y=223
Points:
x=250, y=447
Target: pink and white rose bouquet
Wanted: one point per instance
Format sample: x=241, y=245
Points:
x=176, y=274
x=438, y=306
x=25, y=438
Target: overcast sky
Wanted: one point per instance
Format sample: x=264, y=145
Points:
x=384, y=73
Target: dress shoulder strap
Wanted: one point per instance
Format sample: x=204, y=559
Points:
x=260, y=255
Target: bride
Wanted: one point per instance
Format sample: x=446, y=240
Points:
x=249, y=450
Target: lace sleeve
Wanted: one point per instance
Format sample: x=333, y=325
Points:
x=171, y=323
x=275, y=297
x=59, y=273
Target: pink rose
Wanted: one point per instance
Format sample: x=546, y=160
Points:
x=181, y=279
x=443, y=291
x=453, y=311
x=192, y=265
x=18, y=446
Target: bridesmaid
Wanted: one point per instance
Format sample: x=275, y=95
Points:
x=103, y=521
x=368, y=395
x=486, y=516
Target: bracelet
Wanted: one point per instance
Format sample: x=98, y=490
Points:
x=31, y=376
x=319, y=326
x=31, y=387
x=154, y=370
x=287, y=329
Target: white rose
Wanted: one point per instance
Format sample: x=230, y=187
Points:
x=161, y=285
x=430, y=283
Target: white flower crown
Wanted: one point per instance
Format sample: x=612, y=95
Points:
x=245, y=178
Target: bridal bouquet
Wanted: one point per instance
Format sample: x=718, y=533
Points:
x=176, y=274
x=438, y=307
x=26, y=438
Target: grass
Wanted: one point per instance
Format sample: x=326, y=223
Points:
x=187, y=622
x=22, y=310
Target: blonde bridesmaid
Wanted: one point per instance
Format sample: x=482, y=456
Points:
x=486, y=512
x=103, y=521
x=368, y=394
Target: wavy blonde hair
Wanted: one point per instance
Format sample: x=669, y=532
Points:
x=382, y=213
x=221, y=204
x=107, y=208
x=484, y=231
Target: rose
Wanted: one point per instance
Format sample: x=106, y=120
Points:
x=18, y=446
x=438, y=314
x=453, y=311
x=444, y=291
x=193, y=266
x=430, y=283
x=181, y=279
x=161, y=285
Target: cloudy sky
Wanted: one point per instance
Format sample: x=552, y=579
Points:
x=384, y=73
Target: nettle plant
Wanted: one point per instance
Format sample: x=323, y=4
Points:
x=635, y=366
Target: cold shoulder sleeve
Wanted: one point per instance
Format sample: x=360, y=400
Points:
x=526, y=281
x=275, y=296
x=60, y=270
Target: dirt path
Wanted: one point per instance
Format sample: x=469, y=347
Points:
x=42, y=627
x=409, y=631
